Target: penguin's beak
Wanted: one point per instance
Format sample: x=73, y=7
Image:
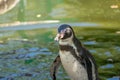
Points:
x=59, y=36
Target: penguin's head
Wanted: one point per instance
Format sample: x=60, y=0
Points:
x=64, y=32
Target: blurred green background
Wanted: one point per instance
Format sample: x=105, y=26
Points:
x=28, y=54
x=68, y=10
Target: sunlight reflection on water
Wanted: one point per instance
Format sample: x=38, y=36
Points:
x=114, y=78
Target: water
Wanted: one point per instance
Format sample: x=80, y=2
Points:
x=29, y=53
x=24, y=64
x=108, y=66
x=47, y=25
x=114, y=78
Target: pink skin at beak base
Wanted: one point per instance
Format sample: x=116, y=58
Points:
x=59, y=36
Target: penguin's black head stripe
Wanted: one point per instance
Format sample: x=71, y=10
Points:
x=62, y=27
x=67, y=30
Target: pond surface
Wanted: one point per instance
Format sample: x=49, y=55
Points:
x=47, y=25
x=28, y=54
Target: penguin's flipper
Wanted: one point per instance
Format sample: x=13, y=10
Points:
x=54, y=67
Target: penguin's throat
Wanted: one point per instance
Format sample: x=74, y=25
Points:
x=67, y=41
x=61, y=42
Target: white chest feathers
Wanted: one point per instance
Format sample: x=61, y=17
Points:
x=74, y=69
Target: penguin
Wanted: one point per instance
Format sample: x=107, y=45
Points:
x=77, y=61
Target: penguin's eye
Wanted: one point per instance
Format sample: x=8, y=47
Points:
x=68, y=30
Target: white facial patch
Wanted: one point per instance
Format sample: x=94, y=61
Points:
x=57, y=37
x=68, y=30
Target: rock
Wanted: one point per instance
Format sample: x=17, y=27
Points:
x=110, y=60
x=90, y=43
x=33, y=49
x=44, y=50
x=21, y=50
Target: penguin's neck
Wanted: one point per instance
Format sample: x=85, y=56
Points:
x=71, y=44
x=66, y=43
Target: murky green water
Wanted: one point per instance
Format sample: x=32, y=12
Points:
x=28, y=54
